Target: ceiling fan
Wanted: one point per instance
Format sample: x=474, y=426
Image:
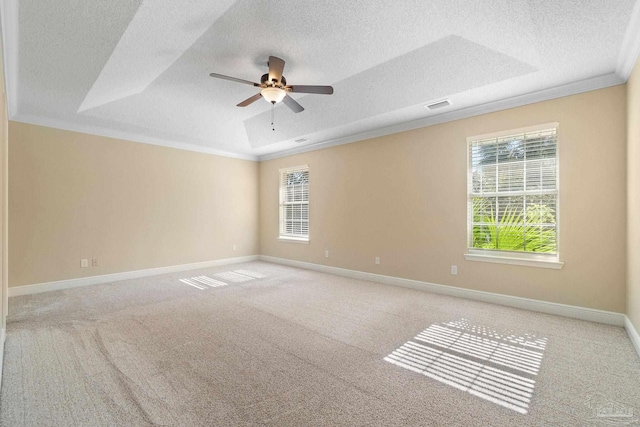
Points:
x=274, y=87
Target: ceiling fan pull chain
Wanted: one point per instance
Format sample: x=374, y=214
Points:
x=273, y=128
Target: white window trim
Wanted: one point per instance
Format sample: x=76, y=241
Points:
x=529, y=259
x=285, y=237
x=502, y=257
x=290, y=239
x=529, y=129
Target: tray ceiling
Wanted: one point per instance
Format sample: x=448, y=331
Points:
x=139, y=70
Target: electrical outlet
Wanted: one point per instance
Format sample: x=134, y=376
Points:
x=454, y=270
x=84, y=263
x=234, y=247
x=377, y=260
x=94, y=262
x=326, y=254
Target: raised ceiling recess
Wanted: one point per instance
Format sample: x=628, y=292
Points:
x=139, y=70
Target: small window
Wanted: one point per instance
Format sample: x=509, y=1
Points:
x=513, y=194
x=294, y=204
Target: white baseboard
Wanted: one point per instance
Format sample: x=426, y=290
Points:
x=2, y=337
x=633, y=334
x=107, y=278
x=590, y=314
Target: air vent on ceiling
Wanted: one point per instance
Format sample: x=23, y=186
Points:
x=299, y=140
x=437, y=105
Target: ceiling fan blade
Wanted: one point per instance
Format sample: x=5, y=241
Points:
x=293, y=104
x=233, y=79
x=276, y=67
x=251, y=100
x=322, y=90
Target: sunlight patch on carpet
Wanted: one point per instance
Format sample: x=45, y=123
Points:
x=498, y=367
x=202, y=282
x=192, y=283
x=227, y=277
x=232, y=276
x=250, y=273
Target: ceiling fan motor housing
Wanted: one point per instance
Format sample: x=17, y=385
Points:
x=265, y=80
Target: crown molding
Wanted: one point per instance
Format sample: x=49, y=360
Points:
x=587, y=85
x=128, y=136
x=9, y=23
x=630, y=48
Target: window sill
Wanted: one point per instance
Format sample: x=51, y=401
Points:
x=303, y=240
x=557, y=265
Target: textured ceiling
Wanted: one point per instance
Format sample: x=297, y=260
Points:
x=140, y=69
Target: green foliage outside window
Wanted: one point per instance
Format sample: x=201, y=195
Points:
x=514, y=230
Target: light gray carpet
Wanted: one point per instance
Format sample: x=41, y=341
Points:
x=300, y=348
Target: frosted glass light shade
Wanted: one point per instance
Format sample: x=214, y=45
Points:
x=273, y=95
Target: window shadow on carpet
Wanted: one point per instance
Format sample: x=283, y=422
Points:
x=222, y=279
x=497, y=367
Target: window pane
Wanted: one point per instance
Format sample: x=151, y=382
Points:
x=511, y=176
x=510, y=223
x=510, y=148
x=510, y=209
x=484, y=152
x=541, y=145
x=541, y=210
x=484, y=237
x=541, y=239
x=484, y=209
x=489, y=178
x=541, y=174
x=511, y=236
x=476, y=180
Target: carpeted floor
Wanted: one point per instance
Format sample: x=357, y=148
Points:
x=263, y=344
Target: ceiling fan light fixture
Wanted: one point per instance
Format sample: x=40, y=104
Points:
x=273, y=95
x=274, y=87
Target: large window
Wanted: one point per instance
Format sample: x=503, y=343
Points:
x=513, y=194
x=294, y=203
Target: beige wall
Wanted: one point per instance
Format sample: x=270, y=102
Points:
x=633, y=197
x=132, y=206
x=402, y=197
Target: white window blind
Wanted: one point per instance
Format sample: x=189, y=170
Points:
x=294, y=203
x=513, y=192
